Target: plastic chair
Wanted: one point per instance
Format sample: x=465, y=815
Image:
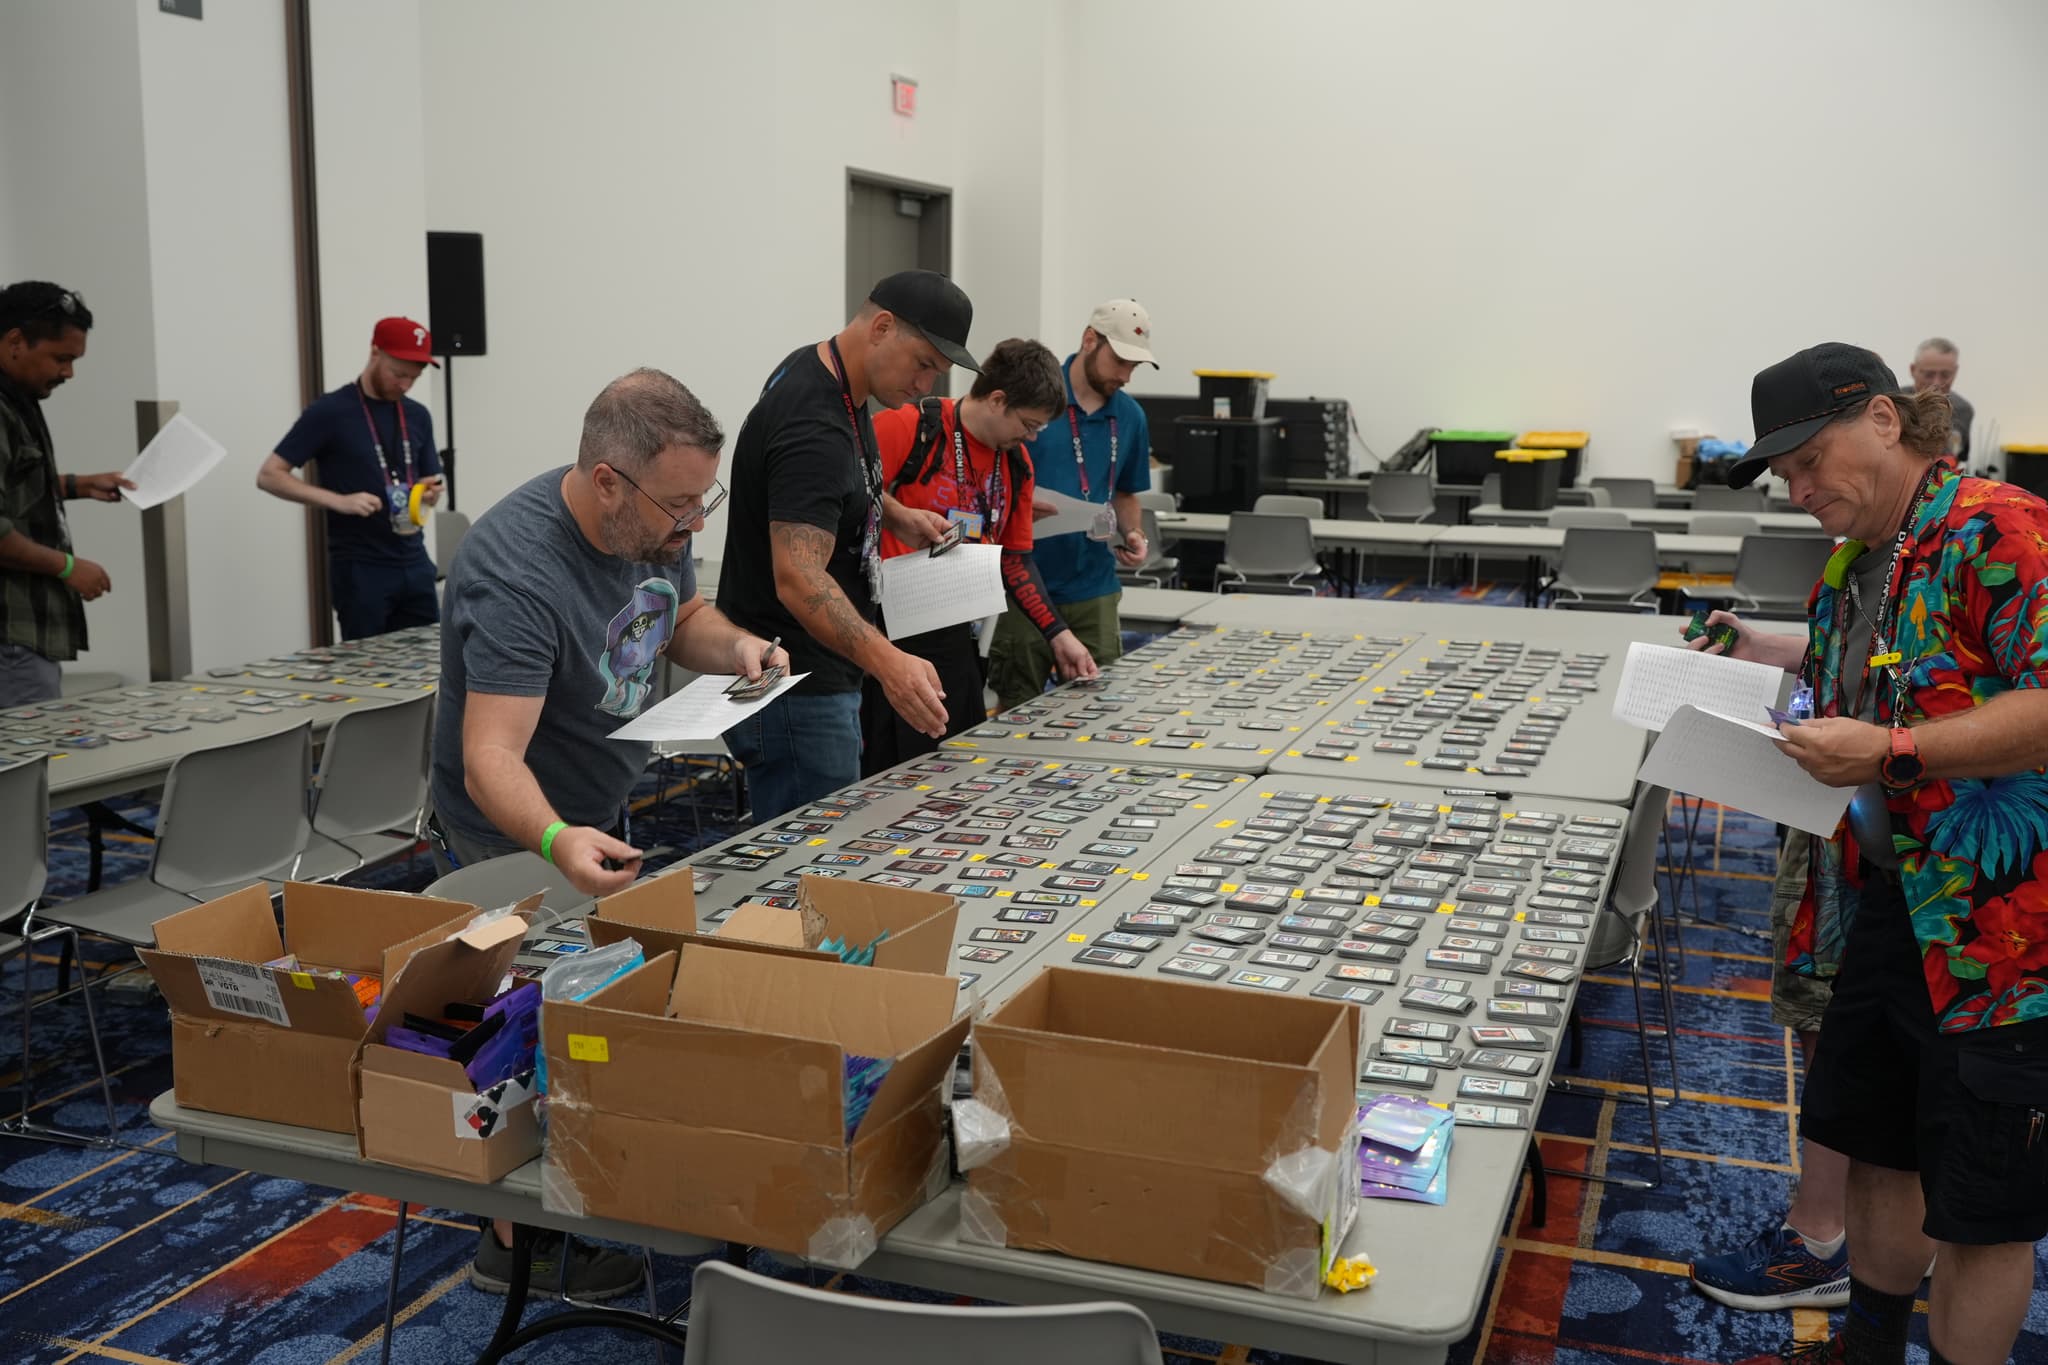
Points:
x=24, y=871
x=373, y=778
x=1710, y=497
x=1594, y=497
x=229, y=816
x=1775, y=574
x=509, y=879
x=1401, y=496
x=1629, y=492
x=1261, y=550
x=1158, y=571
x=1724, y=524
x=1489, y=490
x=737, y=1318
x=1616, y=940
x=1158, y=500
x=449, y=529
x=1288, y=505
x=1606, y=567
x=1586, y=516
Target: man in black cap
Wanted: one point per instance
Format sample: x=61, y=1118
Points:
x=1927, y=652
x=802, y=536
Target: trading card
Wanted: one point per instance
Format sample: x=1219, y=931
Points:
x=895, y=879
x=1475, y=924
x=1514, y=988
x=1135, y=943
x=1045, y=898
x=1304, y=943
x=1499, y=1059
x=1195, y=967
x=1457, y=960
x=919, y=867
x=1363, y=972
x=1219, y=933
x=1509, y=1011
x=1537, y=952
x=1148, y=922
x=1441, y=1002
x=1343, y=990
x=1214, y=952
x=1449, y=985
x=1541, y=971
x=1494, y=1088
x=1108, y=957
x=1404, y=1074
x=984, y=954
x=1491, y=1115
x=1076, y=883
x=1026, y=914
x=1291, y=962
x=1235, y=921
x=988, y=935
x=1430, y=1029
x=1360, y=949
x=1265, y=981
x=1513, y=1036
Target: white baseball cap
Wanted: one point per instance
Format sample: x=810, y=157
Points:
x=1127, y=327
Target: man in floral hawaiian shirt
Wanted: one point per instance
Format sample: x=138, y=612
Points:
x=1928, y=655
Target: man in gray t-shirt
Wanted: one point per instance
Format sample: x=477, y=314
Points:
x=561, y=603
x=1934, y=367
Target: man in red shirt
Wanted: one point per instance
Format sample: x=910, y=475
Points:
x=966, y=461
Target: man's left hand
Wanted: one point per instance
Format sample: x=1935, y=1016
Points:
x=916, y=527
x=1133, y=551
x=430, y=490
x=1837, y=751
x=102, y=487
x=751, y=654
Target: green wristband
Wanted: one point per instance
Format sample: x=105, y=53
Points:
x=547, y=839
x=69, y=564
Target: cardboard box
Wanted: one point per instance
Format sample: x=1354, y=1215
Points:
x=1198, y=1130
x=423, y=1112
x=660, y=913
x=704, y=1093
x=265, y=1043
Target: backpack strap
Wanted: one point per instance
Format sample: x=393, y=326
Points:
x=919, y=465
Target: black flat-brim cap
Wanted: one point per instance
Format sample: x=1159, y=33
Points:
x=935, y=306
x=1795, y=398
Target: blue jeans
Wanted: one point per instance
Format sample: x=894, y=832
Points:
x=373, y=597
x=798, y=749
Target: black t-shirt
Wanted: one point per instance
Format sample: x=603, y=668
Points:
x=796, y=461
x=335, y=429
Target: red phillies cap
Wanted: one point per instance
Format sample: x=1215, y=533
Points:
x=404, y=339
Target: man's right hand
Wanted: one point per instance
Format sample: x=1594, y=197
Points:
x=88, y=579
x=1723, y=618
x=912, y=687
x=580, y=853
x=358, y=504
x=1071, y=659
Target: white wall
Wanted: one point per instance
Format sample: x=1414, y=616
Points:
x=216, y=137
x=74, y=210
x=661, y=184
x=1604, y=215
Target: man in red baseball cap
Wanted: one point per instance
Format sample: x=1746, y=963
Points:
x=379, y=472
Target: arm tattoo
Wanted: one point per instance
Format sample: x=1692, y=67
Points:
x=823, y=608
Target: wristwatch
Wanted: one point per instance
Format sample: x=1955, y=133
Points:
x=1901, y=769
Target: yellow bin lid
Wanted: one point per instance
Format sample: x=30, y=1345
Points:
x=1526, y=455
x=1233, y=374
x=1553, y=440
x=2025, y=450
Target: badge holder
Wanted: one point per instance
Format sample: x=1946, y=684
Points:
x=1103, y=527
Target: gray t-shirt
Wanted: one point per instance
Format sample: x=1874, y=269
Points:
x=1961, y=415
x=1868, y=817
x=533, y=609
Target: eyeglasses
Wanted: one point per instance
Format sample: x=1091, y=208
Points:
x=714, y=498
x=1031, y=428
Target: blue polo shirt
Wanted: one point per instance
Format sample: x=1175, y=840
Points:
x=335, y=430
x=1076, y=568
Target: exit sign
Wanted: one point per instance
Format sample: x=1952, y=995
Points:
x=904, y=90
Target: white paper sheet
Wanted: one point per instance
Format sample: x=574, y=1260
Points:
x=920, y=593
x=1658, y=679
x=1075, y=514
x=699, y=711
x=1737, y=763
x=172, y=463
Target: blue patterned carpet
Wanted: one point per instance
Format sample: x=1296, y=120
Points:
x=139, y=1257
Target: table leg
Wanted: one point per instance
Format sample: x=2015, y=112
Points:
x=391, y=1288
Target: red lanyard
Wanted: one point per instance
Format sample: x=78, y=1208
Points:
x=1074, y=427
x=982, y=496
x=871, y=478
x=377, y=442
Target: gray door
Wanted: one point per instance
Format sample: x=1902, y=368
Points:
x=891, y=226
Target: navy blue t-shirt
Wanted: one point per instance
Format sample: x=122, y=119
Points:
x=334, y=431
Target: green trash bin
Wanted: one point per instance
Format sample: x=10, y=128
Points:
x=1467, y=456
x=1529, y=478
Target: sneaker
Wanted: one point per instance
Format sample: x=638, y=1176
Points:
x=1775, y=1271
x=595, y=1273
x=1824, y=1352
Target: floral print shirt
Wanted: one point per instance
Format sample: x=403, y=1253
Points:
x=1973, y=852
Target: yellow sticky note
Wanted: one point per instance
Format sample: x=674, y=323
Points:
x=1077, y=938
x=818, y=841
x=589, y=1047
x=303, y=980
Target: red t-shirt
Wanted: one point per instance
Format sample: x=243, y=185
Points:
x=986, y=490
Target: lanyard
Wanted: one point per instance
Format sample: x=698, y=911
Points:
x=870, y=472
x=1884, y=653
x=982, y=496
x=377, y=441
x=1074, y=429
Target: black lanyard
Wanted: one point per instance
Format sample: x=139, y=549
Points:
x=870, y=465
x=377, y=441
x=989, y=513
x=1080, y=465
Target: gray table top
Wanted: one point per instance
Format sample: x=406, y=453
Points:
x=1541, y=540
x=1656, y=518
x=405, y=660
x=1329, y=531
x=125, y=739
x=1003, y=833
x=1153, y=605
x=1231, y=697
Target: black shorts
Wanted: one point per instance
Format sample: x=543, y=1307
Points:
x=885, y=739
x=1968, y=1111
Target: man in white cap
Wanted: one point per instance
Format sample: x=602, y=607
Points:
x=1099, y=451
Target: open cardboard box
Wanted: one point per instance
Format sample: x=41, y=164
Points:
x=705, y=1093
x=267, y=1043
x=660, y=913
x=423, y=1112
x=1197, y=1130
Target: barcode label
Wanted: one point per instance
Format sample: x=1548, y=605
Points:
x=242, y=988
